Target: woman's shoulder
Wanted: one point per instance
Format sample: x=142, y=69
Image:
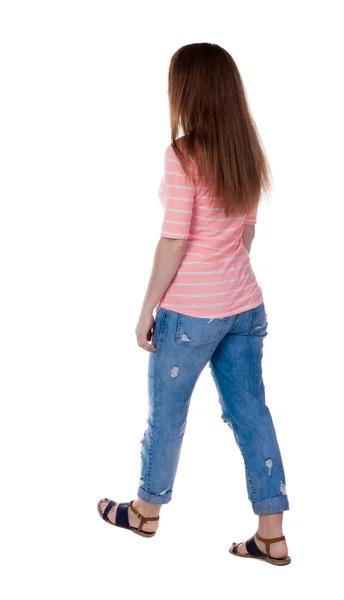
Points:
x=182, y=145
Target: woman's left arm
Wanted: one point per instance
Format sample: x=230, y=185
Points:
x=168, y=255
x=177, y=193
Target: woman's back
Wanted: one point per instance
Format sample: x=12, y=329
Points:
x=215, y=278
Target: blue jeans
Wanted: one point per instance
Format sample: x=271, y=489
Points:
x=233, y=347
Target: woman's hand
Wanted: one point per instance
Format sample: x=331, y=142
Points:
x=143, y=331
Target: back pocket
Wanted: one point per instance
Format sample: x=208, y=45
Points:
x=197, y=332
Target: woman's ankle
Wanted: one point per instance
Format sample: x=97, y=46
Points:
x=146, y=508
x=270, y=526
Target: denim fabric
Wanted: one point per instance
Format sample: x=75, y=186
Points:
x=233, y=348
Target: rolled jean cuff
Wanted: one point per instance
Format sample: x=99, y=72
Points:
x=271, y=505
x=153, y=498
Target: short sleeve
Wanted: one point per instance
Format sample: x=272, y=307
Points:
x=251, y=218
x=177, y=192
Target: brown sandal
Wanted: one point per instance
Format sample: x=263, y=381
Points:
x=122, y=519
x=255, y=552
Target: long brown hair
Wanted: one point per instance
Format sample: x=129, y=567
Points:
x=207, y=98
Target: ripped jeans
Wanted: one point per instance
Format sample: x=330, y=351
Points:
x=233, y=348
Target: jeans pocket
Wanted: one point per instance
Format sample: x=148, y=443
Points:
x=259, y=321
x=197, y=332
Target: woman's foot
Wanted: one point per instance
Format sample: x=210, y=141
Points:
x=269, y=527
x=277, y=549
x=144, y=508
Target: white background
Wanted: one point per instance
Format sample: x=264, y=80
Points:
x=84, y=126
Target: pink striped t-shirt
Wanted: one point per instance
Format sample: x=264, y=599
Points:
x=215, y=278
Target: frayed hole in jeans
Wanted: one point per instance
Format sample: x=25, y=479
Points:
x=269, y=464
x=185, y=338
x=174, y=372
x=283, y=488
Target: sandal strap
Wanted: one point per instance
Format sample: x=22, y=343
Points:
x=122, y=515
x=109, y=506
x=143, y=519
x=269, y=541
x=252, y=547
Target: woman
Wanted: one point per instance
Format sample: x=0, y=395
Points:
x=210, y=308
